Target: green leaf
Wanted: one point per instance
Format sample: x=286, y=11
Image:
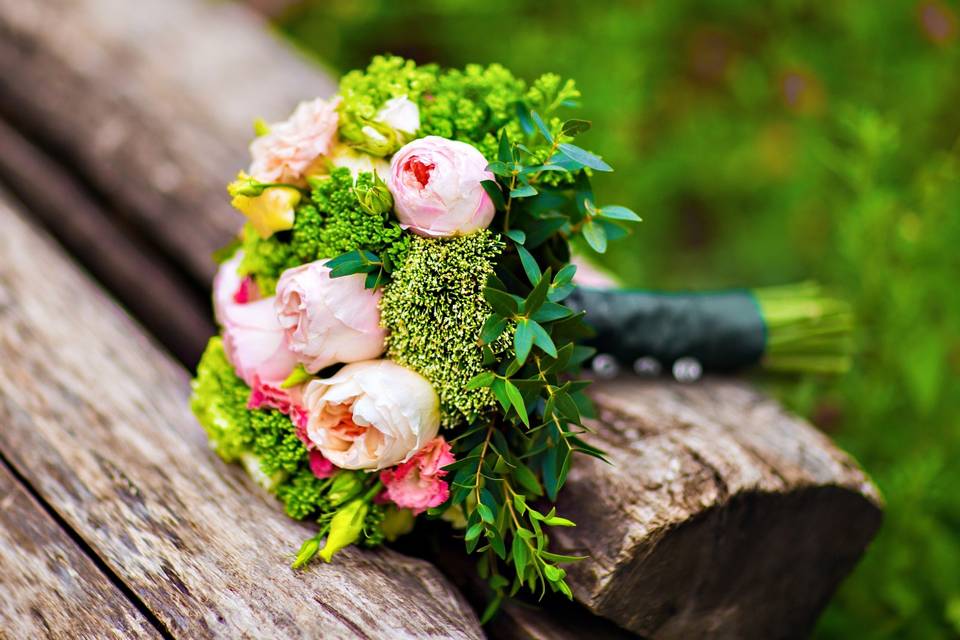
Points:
x=556, y=557
x=474, y=531
x=519, y=503
x=527, y=479
x=565, y=274
x=493, y=190
x=504, y=153
x=499, y=388
x=481, y=380
x=502, y=302
x=492, y=328
x=491, y=609
x=551, y=311
x=523, y=115
x=557, y=521
x=539, y=294
x=298, y=376
x=542, y=339
x=517, y=401
x=584, y=157
x=516, y=235
x=537, y=120
x=530, y=266
x=595, y=235
x=575, y=127
x=499, y=168
x=485, y=513
x=616, y=212
x=523, y=191
x=520, y=555
x=553, y=574
x=523, y=339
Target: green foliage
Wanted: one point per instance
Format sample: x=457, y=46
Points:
x=766, y=143
x=338, y=224
x=265, y=259
x=219, y=401
x=434, y=310
x=332, y=223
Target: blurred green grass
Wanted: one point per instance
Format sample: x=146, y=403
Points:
x=766, y=143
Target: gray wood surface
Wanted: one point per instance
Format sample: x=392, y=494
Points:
x=95, y=417
x=48, y=587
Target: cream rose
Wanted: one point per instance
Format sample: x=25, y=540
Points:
x=371, y=415
x=285, y=152
x=328, y=320
x=436, y=187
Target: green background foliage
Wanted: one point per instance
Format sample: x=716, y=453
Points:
x=765, y=143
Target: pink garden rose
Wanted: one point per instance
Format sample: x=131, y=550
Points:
x=436, y=187
x=252, y=337
x=371, y=415
x=290, y=147
x=418, y=483
x=328, y=320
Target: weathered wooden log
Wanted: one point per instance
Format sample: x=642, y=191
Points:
x=48, y=587
x=721, y=514
x=95, y=418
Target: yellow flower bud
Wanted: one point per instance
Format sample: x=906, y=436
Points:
x=345, y=527
x=272, y=210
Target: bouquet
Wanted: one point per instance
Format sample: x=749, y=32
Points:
x=394, y=343
x=401, y=331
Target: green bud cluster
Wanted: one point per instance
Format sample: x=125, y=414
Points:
x=434, y=311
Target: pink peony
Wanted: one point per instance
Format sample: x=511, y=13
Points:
x=252, y=337
x=436, y=187
x=290, y=147
x=418, y=483
x=328, y=320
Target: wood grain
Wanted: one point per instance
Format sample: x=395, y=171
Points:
x=95, y=417
x=721, y=515
x=48, y=586
x=119, y=260
x=152, y=102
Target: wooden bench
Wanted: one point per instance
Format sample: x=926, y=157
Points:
x=721, y=516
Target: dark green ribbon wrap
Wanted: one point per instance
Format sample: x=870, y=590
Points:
x=723, y=330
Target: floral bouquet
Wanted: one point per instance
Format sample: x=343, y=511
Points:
x=394, y=342
x=399, y=338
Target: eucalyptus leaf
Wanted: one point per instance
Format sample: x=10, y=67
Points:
x=541, y=125
x=575, y=127
x=616, y=212
x=584, y=157
x=595, y=235
x=530, y=266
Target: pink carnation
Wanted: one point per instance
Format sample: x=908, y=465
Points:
x=290, y=147
x=418, y=483
x=320, y=466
